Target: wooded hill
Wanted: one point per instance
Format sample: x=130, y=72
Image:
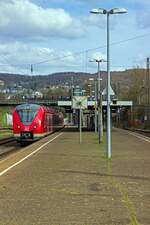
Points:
x=126, y=84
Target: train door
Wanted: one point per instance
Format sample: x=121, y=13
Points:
x=45, y=123
x=50, y=122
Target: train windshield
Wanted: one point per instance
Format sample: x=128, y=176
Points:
x=27, y=113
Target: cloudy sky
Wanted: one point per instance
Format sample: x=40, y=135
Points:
x=61, y=35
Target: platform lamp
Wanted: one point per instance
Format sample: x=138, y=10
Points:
x=99, y=98
x=108, y=13
x=95, y=91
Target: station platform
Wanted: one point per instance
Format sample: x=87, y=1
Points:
x=58, y=181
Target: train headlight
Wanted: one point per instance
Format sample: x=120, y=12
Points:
x=35, y=127
x=18, y=126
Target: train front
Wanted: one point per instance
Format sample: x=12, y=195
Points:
x=27, y=122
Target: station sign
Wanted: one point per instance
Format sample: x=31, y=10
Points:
x=77, y=91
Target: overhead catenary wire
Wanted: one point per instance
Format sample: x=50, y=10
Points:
x=92, y=49
x=75, y=53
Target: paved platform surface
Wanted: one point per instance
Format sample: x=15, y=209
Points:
x=65, y=183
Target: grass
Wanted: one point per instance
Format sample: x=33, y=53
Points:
x=3, y=112
x=5, y=133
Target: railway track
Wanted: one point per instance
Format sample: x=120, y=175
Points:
x=6, y=140
x=141, y=131
x=8, y=146
x=6, y=135
x=5, y=128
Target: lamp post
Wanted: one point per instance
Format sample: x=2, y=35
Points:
x=95, y=92
x=148, y=89
x=108, y=13
x=99, y=99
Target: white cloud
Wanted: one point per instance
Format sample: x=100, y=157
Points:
x=95, y=20
x=18, y=53
x=98, y=56
x=16, y=58
x=24, y=19
x=99, y=21
x=141, y=11
x=93, y=65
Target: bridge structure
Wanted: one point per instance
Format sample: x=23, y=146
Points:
x=120, y=109
x=65, y=103
x=121, y=112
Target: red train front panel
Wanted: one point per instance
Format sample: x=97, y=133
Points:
x=31, y=122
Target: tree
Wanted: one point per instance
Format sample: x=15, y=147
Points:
x=135, y=91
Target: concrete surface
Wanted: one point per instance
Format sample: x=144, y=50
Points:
x=66, y=183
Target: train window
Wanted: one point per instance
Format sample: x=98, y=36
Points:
x=27, y=113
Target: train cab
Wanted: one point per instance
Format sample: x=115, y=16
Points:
x=32, y=122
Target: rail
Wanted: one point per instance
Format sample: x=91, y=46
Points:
x=6, y=140
x=141, y=131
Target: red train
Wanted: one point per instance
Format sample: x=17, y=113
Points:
x=32, y=122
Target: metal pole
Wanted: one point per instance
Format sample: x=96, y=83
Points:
x=109, y=150
x=101, y=117
x=32, y=76
x=100, y=106
x=95, y=106
x=99, y=110
x=131, y=117
x=148, y=93
x=98, y=77
x=80, y=125
x=72, y=86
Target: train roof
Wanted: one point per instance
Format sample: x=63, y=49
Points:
x=36, y=107
x=28, y=106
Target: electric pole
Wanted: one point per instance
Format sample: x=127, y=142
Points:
x=148, y=91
